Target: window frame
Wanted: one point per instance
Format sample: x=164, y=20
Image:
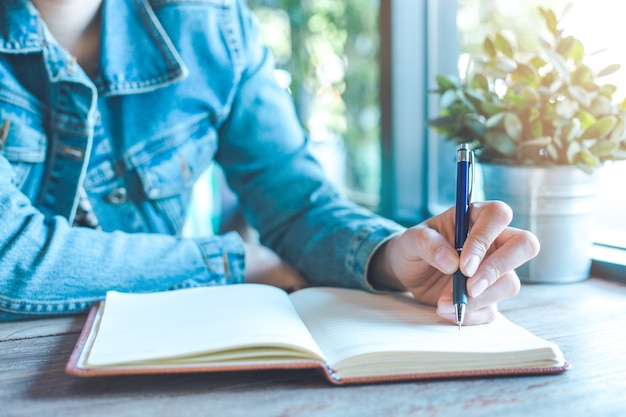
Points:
x=416, y=162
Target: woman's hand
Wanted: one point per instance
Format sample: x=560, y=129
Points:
x=423, y=258
x=263, y=266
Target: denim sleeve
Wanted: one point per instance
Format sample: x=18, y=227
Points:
x=282, y=188
x=50, y=268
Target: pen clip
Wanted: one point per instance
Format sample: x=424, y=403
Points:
x=472, y=174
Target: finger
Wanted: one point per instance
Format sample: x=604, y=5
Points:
x=507, y=286
x=514, y=247
x=489, y=220
x=482, y=315
x=479, y=309
x=435, y=249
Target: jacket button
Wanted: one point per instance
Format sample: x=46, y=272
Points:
x=117, y=196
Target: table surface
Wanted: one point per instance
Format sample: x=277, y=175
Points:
x=587, y=320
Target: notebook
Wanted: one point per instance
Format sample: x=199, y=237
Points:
x=350, y=335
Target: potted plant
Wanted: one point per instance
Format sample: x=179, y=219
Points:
x=541, y=123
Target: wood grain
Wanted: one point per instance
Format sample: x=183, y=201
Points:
x=587, y=320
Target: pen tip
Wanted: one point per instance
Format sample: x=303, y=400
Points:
x=460, y=314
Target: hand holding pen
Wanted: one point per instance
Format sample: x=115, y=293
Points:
x=423, y=258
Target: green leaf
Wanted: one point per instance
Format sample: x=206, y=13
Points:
x=537, y=62
x=559, y=63
x=540, y=142
x=573, y=130
x=577, y=51
x=550, y=18
x=505, y=64
x=601, y=106
x=491, y=109
x=500, y=142
x=552, y=152
x=530, y=96
x=565, y=45
x=588, y=158
x=622, y=105
x=581, y=95
x=586, y=119
x=566, y=108
x=495, y=120
x=476, y=96
x=503, y=45
x=446, y=82
x=480, y=81
x=525, y=74
x=603, y=148
x=512, y=125
x=448, y=98
x=476, y=123
x=466, y=102
x=572, y=152
x=489, y=48
x=556, y=86
x=608, y=70
x=608, y=90
x=581, y=74
x=514, y=100
x=590, y=86
x=618, y=134
x=600, y=129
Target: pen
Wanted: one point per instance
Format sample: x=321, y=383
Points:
x=464, y=187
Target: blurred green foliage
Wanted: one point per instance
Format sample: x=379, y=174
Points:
x=327, y=51
x=540, y=106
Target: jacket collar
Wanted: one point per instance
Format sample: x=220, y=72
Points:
x=136, y=53
x=19, y=27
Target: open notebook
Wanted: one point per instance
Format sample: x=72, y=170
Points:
x=350, y=335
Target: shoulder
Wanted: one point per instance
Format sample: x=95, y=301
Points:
x=198, y=3
x=235, y=12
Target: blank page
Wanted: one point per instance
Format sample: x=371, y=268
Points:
x=182, y=323
x=349, y=323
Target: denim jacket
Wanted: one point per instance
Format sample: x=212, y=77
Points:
x=181, y=84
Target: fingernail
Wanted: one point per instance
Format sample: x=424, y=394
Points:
x=445, y=308
x=478, y=287
x=471, y=265
x=446, y=260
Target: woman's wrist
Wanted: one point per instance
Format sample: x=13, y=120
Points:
x=380, y=273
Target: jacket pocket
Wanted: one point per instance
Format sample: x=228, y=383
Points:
x=22, y=140
x=169, y=166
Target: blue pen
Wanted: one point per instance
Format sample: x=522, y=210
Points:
x=464, y=187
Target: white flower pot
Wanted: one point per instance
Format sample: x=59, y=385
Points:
x=557, y=205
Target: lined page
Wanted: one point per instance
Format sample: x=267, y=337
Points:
x=196, y=321
x=347, y=323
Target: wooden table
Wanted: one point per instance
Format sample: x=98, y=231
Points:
x=587, y=320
